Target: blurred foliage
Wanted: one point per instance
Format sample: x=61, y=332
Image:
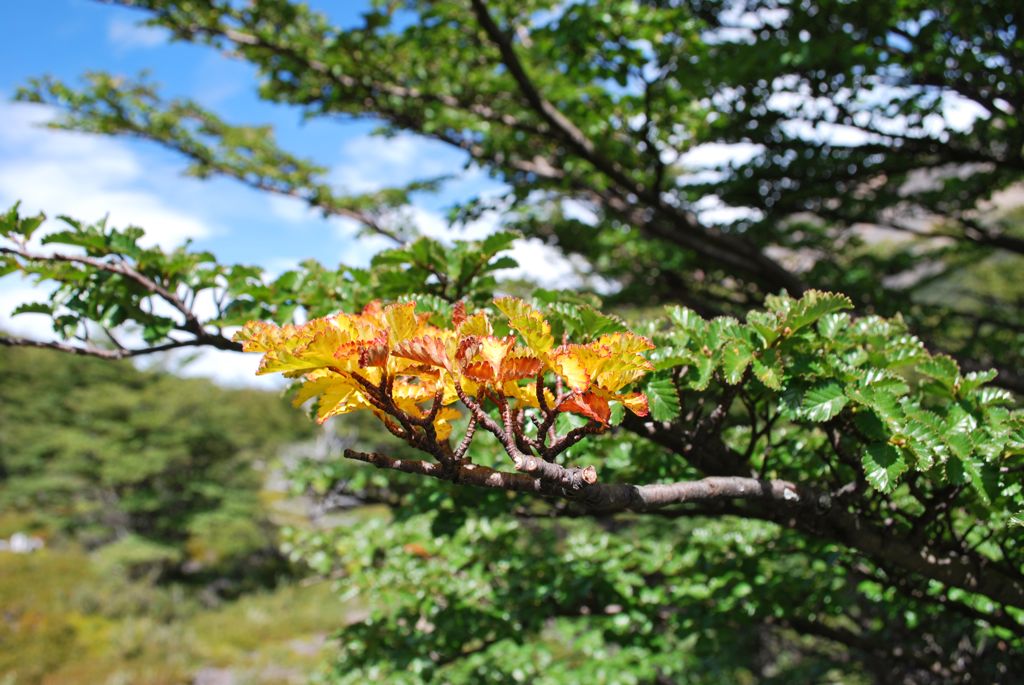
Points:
x=157, y=471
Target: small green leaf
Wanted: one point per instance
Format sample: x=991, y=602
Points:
x=960, y=444
x=812, y=306
x=663, y=399
x=942, y=368
x=830, y=324
x=33, y=308
x=496, y=242
x=823, y=401
x=503, y=262
x=766, y=324
x=883, y=464
x=157, y=329
x=736, y=357
x=699, y=370
x=768, y=369
x=688, y=324
x=975, y=379
x=994, y=396
x=13, y=223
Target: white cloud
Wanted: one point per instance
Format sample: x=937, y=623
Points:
x=129, y=35
x=374, y=162
x=229, y=369
x=291, y=210
x=541, y=263
x=719, y=154
x=580, y=211
x=87, y=177
x=546, y=266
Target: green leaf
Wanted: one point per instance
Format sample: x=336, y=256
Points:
x=924, y=432
x=975, y=379
x=13, y=223
x=960, y=444
x=663, y=399
x=883, y=464
x=766, y=324
x=812, y=306
x=768, y=369
x=736, y=357
x=983, y=478
x=942, y=368
x=157, y=329
x=503, y=262
x=993, y=396
x=496, y=242
x=586, y=322
x=699, y=370
x=830, y=324
x=33, y=308
x=823, y=401
x=688, y=324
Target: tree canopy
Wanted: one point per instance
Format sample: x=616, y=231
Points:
x=771, y=450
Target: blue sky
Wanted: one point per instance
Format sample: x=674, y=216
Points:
x=67, y=37
x=136, y=182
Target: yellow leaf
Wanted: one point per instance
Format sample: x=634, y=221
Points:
x=374, y=352
x=478, y=325
x=415, y=392
x=467, y=349
x=442, y=422
x=401, y=322
x=341, y=396
x=458, y=314
x=481, y=357
x=314, y=386
x=316, y=344
x=493, y=350
x=574, y=363
x=529, y=323
x=617, y=372
x=636, y=402
x=426, y=349
x=526, y=394
x=482, y=372
x=260, y=336
x=589, y=404
x=469, y=387
x=519, y=364
x=624, y=344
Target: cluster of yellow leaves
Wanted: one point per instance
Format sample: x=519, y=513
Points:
x=344, y=358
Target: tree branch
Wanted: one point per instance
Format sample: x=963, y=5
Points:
x=603, y=498
x=114, y=354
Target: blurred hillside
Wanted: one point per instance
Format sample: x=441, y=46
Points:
x=159, y=556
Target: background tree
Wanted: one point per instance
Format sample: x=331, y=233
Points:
x=850, y=124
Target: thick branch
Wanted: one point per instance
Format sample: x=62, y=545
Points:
x=599, y=497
